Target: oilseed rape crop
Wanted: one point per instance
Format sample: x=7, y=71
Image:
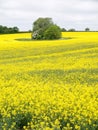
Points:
x=49, y=84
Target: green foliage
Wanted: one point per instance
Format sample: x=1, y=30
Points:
x=42, y=23
x=6, y=30
x=63, y=30
x=87, y=29
x=44, y=28
x=40, y=26
x=22, y=120
x=53, y=32
x=71, y=30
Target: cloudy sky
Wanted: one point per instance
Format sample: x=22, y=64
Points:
x=77, y=14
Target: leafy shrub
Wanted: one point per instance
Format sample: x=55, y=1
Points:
x=53, y=32
x=44, y=28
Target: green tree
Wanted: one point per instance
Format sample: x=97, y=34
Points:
x=71, y=30
x=87, y=29
x=53, y=32
x=6, y=30
x=15, y=29
x=40, y=27
x=1, y=29
x=63, y=30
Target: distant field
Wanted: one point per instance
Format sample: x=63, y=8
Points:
x=49, y=85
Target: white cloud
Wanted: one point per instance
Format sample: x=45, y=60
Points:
x=69, y=14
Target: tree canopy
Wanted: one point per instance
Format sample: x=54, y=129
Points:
x=53, y=32
x=44, y=28
x=5, y=29
x=71, y=30
x=87, y=29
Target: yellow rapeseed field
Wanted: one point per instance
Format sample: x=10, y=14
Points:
x=49, y=85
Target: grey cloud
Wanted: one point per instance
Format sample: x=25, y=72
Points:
x=73, y=13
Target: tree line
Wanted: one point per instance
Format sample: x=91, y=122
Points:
x=74, y=30
x=44, y=29
x=8, y=30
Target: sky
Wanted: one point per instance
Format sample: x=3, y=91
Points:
x=77, y=14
